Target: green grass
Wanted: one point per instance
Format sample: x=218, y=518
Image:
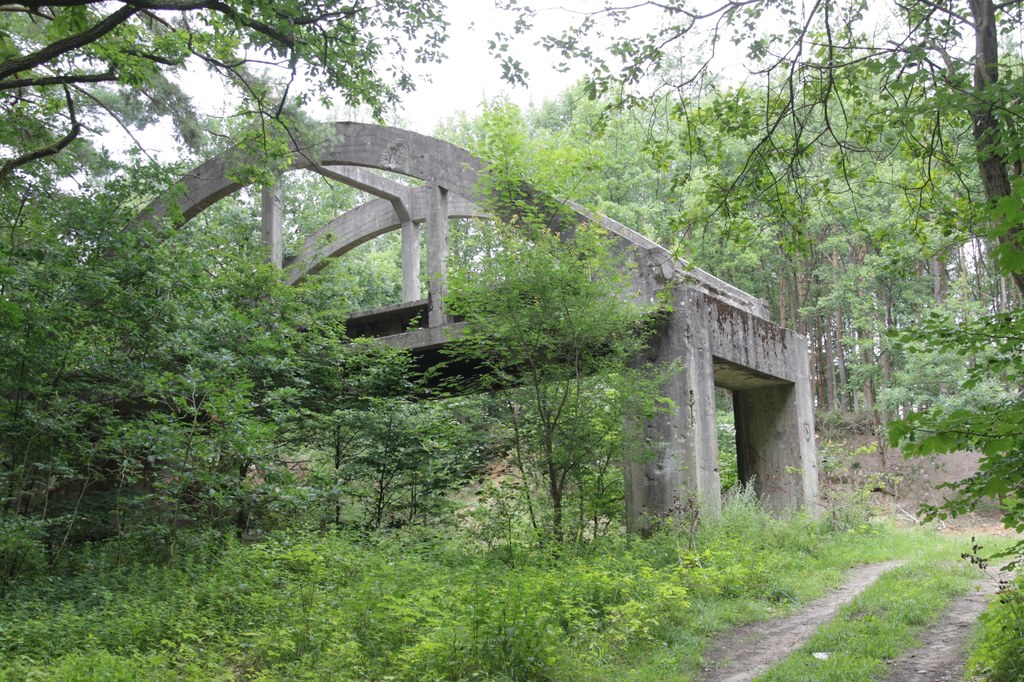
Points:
x=413, y=607
x=878, y=625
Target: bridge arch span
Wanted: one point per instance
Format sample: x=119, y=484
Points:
x=719, y=334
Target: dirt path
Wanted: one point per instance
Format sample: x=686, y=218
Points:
x=748, y=651
x=941, y=657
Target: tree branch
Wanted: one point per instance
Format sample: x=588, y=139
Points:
x=62, y=47
x=104, y=77
x=221, y=7
x=10, y=165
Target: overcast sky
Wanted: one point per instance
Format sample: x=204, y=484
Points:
x=471, y=75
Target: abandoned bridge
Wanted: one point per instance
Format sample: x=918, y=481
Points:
x=718, y=334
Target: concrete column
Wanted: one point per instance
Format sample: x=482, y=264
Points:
x=437, y=257
x=775, y=444
x=410, y=262
x=272, y=220
x=681, y=467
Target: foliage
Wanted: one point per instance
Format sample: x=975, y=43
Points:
x=70, y=68
x=383, y=461
x=427, y=606
x=999, y=654
x=990, y=424
x=142, y=376
x=728, y=467
x=547, y=322
x=819, y=66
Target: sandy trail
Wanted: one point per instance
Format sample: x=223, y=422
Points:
x=942, y=654
x=743, y=653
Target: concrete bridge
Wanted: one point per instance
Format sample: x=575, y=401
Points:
x=721, y=335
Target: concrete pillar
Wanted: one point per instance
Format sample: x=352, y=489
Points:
x=410, y=262
x=272, y=220
x=681, y=467
x=437, y=257
x=775, y=443
x=804, y=413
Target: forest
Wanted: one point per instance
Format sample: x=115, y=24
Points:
x=202, y=476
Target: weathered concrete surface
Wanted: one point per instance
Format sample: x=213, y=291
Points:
x=714, y=335
x=272, y=220
x=682, y=469
x=410, y=261
x=437, y=256
x=767, y=368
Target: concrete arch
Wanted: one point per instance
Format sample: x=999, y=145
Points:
x=436, y=162
x=720, y=335
x=363, y=223
x=350, y=144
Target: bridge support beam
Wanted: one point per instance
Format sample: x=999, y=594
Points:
x=773, y=412
x=271, y=223
x=437, y=257
x=680, y=471
x=410, y=261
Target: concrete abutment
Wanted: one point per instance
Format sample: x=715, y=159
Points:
x=773, y=414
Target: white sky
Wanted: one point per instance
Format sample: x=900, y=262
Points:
x=471, y=75
x=465, y=80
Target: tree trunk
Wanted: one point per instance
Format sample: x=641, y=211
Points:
x=938, y=280
x=819, y=368
x=845, y=400
x=830, y=368
x=555, y=490
x=995, y=176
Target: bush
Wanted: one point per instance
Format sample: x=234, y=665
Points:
x=22, y=553
x=999, y=654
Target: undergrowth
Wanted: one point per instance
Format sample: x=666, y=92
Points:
x=998, y=652
x=419, y=606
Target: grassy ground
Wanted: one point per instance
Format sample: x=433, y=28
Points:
x=880, y=624
x=438, y=607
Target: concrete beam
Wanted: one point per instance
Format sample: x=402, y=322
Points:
x=437, y=256
x=658, y=269
x=360, y=225
x=426, y=339
x=410, y=261
x=272, y=220
x=371, y=183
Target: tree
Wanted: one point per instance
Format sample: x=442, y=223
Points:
x=66, y=64
x=820, y=64
x=551, y=330
x=550, y=325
